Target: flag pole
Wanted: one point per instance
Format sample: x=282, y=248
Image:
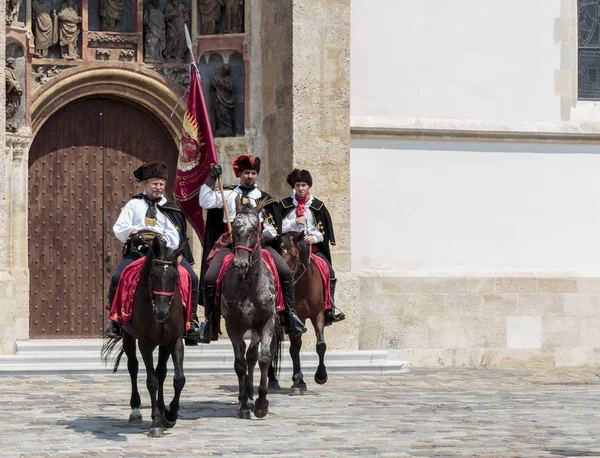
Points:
x=188, y=42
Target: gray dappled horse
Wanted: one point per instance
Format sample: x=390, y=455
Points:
x=248, y=305
x=158, y=319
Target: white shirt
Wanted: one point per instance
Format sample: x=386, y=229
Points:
x=211, y=198
x=289, y=222
x=133, y=217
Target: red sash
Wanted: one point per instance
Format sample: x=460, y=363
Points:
x=268, y=260
x=122, y=306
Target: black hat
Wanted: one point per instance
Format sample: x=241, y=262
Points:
x=151, y=170
x=299, y=176
x=245, y=162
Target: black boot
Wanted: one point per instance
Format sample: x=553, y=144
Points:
x=194, y=330
x=114, y=329
x=295, y=325
x=330, y=316
x=209, y=303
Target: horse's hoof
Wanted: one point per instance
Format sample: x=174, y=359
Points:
x=169, y=419
x=243, y=414
x=135, y=416
x=156, y=432
x=322, y=380
x=296, y=390
x=261, y=413
x=303, y=387
x=274, y=385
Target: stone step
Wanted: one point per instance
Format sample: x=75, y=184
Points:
x=54, y=356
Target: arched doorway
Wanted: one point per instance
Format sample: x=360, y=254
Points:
x=80, y=167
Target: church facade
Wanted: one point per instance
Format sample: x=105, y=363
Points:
x=454, y=144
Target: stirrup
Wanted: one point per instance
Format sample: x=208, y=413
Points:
x=114, y=330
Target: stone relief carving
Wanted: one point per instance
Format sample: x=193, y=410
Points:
x=12, y=11
x=179, y=76
x=234, y=16
x=111, y=15
x=223, y=103
x=210, y=16
x=44, y=73
x=176, y=17
x=103, y=54
x=126, y=55
x=18, y=146
x=69, y=22
x=95, y=40
x=44, y=27
x=13, y=95
x=154, y=32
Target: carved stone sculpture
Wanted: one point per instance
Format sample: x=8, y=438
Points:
x=13, y=95
x=210, y=16
x=223, y=103
x=176, y=17
x=111, y=13
x=45, y=27
x=12, y=11
x=69, y=30
x=234, y=16
x=154, y=32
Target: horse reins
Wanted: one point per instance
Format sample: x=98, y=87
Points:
x=246, y=248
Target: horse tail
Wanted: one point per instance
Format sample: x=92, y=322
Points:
x=276, y=345
x=112, y=351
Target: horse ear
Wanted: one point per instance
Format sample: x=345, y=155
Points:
x=238, y=203
x=299, y=237
x=179, y=251
x=156, y=246
x=261, y=206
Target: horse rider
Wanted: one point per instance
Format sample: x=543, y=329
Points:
x=152, y=211
x=246, y=168
x=304, y=213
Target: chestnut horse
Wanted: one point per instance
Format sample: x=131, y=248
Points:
x=309, y=306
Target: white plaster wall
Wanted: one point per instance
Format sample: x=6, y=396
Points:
x=459, y=207
x=467, y=59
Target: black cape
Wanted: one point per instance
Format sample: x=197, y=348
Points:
x=322, y=220
x=215, y=228
x=176, y=216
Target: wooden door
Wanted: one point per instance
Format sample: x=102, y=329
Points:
x=80, y=166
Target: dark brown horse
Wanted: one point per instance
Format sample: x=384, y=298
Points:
x=309, y=306
x=158, y=320
x=248, y=305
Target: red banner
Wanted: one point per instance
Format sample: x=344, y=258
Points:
x=197, y=153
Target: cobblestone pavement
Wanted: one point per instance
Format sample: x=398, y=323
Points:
x=427, y=412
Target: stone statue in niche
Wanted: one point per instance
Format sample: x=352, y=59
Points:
x=12, y=11
x=13, y=95
x=176, y=17
x=45, y=27
x=69, y=30
x=210, y=16
x=154, y=32
x=111, y=13
x=234, y=16
x=223, y=103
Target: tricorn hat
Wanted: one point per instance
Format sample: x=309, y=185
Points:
x=245, y=162
x=151, y=170
x=297, y=176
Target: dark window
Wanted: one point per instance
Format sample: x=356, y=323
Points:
x=589, y=49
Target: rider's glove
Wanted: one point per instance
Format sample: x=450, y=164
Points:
x=216, y=171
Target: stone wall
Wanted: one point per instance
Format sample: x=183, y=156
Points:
x=483, y=321
x=321, y=134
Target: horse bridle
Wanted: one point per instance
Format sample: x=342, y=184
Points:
x=251, y=250
x=298, y=264
x=162, y=293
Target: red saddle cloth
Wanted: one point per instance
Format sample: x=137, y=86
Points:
x=324, y=271
x=122, y=306
x=268, y=260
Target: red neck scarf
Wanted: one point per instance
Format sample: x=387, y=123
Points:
x=301, y=207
